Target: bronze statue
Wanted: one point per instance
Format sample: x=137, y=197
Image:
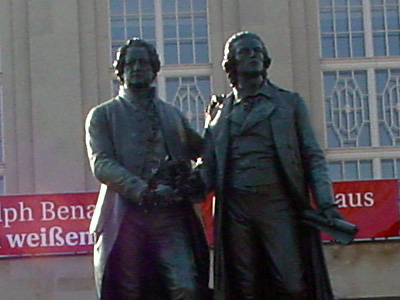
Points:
x=263, y=160
x=149, y=242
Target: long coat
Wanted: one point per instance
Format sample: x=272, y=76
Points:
x=303, y=165
x=116, y=149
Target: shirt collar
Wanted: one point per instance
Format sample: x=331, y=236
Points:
x=264, y=90
x=127, y=93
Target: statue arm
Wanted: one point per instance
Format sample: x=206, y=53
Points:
x=208, y=165
x=102, y=158
x=195, y=141
x=208, y=162
x=313, y=159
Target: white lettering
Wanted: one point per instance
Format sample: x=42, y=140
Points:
x=21, y=213
x=354, y=200
x=48, y=213
x=85, y=238
x=73, y=212
x=90, y=211
x=16, y=240
x=10, y=216
x=71, y=238
x=78, y=212
x=33, y=239
x=56, y=233
x=340, y=200
x=43, y=237
x=63, y=213
x=369, y=199
x=52, y=237
x=25, y=210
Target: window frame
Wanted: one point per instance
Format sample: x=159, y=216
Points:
x=2, y=161
x=367, y=30
x=174, y=70
x=370, y=64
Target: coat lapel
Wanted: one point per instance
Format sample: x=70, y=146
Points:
x=237, y=117
x=169, y=127
x=220, y=130
x=259, y=113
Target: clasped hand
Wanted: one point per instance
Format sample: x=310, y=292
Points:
x=162, y=195
x=181, y=189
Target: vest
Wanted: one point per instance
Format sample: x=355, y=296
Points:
x=252, y=157
x=156, y=152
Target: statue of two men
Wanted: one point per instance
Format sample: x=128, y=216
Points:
x=259, y=155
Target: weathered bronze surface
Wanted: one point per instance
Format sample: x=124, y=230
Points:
x=150, y=243
x=263, y=161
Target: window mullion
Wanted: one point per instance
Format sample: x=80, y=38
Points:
x=140, y=19
x=158, y=16
x=369, y=44
x=349, y=25
x=124, y=19
x=376, y=168
x=385, y=16
x=159, y=29
x=161, y=88
x=335, y=39
x=373, y=108
x=192, y=31
x=398, y=8
x=343, y=166
x=178, y=36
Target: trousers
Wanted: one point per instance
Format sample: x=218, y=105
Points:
x=152, y=258
x=261, y=246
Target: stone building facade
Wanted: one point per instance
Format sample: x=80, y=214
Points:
x=55, y=65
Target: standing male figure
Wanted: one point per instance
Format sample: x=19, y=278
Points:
x=263, y=160
x=149, y=242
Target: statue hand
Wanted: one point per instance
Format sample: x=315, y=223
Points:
x=163, y=195
x=331, y=212
x=192, y=186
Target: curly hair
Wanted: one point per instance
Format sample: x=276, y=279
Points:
x=119, y=61
x=229, y=61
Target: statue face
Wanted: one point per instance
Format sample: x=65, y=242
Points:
x=138, y=72
x=249, y=57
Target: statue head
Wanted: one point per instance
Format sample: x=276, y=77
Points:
x=229, y=63
x=120, y=60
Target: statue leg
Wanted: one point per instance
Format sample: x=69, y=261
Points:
x=173, y=255
x=123, y=272
x=240, y=257
x=279, y=240
x=262, y=248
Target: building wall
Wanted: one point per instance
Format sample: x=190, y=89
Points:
x=47, y=278
x=55, y=63
x=365, y=270
x=362, y=270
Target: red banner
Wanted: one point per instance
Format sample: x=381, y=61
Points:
x=58, y=223
x=373, y=205
x=46, y=224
